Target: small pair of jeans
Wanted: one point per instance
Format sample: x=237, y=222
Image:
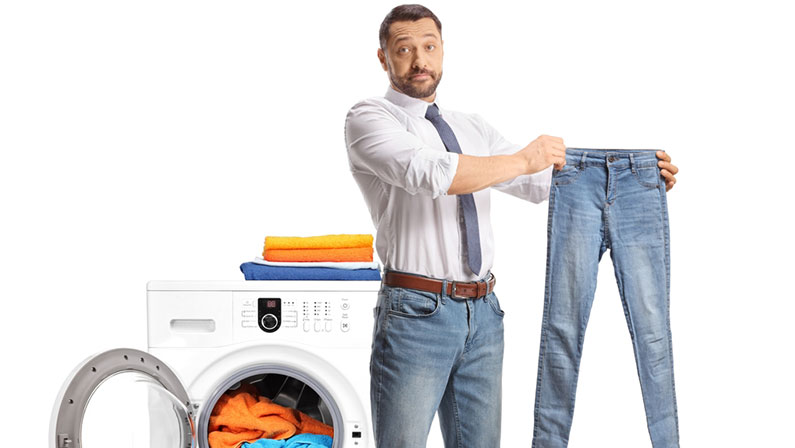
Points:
x=430, y=353
x=606, y=199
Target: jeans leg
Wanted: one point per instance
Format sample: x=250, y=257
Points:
x=417, y=339
x=638, y=228
x=470, y=411
x=575, y=246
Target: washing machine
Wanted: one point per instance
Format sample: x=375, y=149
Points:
x=304, y=345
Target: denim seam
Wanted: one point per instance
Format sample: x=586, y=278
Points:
x=456, y=417
x=666, y=236
x=545, y=317
x=381, y=350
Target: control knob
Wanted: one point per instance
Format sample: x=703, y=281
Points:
x=269, y=321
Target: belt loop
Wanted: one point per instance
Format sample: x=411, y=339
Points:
x=632, y=162
x=444, y=287
x=582, y=160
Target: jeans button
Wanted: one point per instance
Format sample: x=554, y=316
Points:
x=611, y=159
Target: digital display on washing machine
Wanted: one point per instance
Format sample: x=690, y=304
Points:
x=269, y=314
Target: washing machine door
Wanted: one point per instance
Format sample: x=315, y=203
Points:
x=122, y=398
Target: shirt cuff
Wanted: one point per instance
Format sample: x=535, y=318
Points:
x=431, y=172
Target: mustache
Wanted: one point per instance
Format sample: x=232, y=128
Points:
x=422, y=72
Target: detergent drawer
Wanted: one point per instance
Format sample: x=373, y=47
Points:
x=190, y=318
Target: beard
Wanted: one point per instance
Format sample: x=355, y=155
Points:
x=412, y=89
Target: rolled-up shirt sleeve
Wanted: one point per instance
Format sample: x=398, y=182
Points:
x=530, y=187
x=379, y=145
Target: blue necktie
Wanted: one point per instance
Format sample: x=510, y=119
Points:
x=466, y=202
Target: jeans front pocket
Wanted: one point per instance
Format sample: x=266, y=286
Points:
x=412, y=303
x=647, y=174
x=570, y=172
x=495, y=304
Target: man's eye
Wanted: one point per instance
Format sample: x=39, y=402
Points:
x=403, y=50
x=431, y=47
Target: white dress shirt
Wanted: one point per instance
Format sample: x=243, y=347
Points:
x=404, y=171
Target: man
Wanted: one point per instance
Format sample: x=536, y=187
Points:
x=425, y=174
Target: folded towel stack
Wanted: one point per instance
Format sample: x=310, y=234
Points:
x=327, y=257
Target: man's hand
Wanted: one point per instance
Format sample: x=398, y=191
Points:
x=667, y=169
x=542, y=152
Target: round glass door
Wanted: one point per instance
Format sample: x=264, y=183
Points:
x=123, y=398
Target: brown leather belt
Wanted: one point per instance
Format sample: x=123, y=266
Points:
x=456, y=290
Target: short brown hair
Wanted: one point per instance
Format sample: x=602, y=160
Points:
x=405, y=13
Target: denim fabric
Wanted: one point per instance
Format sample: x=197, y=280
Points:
x=432, y=353
x=606, y=199
x=305, y=440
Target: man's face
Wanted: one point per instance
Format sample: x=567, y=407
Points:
x=413, y=58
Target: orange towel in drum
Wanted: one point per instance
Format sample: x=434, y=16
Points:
x=240, y=416
x=346, y=254
x=318, y=242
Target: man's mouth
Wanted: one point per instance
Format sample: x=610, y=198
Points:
x=420, y=76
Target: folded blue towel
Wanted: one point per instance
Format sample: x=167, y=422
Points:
x=297, y=441
x=254, y=271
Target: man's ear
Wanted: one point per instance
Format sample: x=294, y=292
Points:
x=382, y=58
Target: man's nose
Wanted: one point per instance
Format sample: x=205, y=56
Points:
x=419, y=61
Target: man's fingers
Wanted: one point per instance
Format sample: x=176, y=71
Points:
x=668, y=166
x=559, y=160
x=662, y=155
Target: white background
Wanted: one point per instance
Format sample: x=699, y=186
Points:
x=163, y=140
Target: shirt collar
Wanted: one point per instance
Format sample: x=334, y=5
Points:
x=414, y=106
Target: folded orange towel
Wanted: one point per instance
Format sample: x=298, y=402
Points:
x=348, y=254
x=318, y=242
x=240, y=416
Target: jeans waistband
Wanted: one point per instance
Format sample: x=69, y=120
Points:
x=629, y=158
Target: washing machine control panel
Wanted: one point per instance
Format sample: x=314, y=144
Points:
x=299, y=314
x=269, y=313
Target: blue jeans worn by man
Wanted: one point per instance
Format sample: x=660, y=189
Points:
x=434, y=351
x=606, y=199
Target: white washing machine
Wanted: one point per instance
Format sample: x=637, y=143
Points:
x=303, y=344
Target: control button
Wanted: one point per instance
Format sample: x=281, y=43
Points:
x=318, y=327
x=328, y=325
x=345, y=305
x=345, y=326
x=307, y=325
x=269, y=321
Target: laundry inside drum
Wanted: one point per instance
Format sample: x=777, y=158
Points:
x=268, y=407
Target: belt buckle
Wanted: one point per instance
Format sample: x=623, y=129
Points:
x=453, y=293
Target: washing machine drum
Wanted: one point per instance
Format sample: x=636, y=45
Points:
x=122, y=397
x=290, y=392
